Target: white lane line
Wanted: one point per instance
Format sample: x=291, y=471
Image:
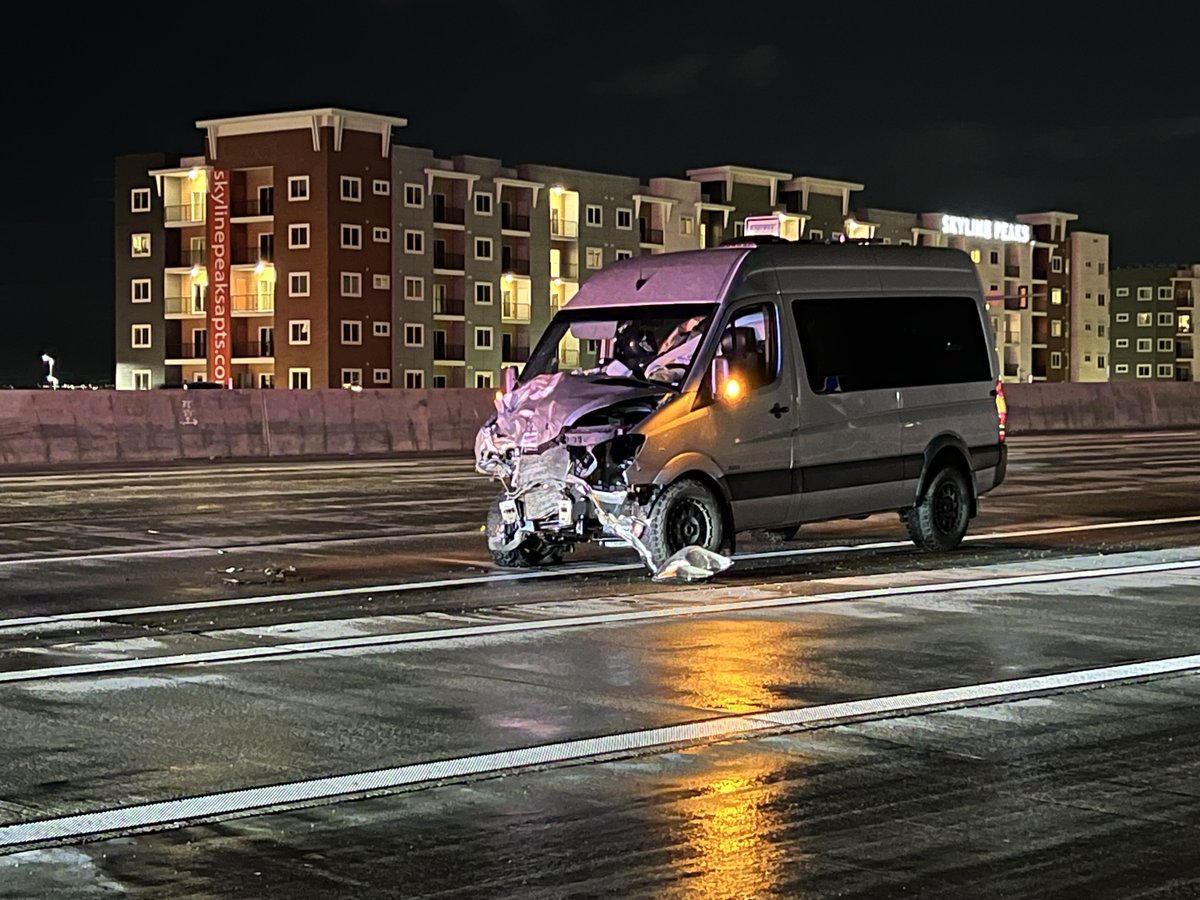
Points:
x=562, y=572
x=182, y=811
x=292, y=649
x=151, y=473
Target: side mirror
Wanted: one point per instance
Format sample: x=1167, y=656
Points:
x=508, y=378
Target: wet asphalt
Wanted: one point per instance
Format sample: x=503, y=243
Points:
x=1090, y=793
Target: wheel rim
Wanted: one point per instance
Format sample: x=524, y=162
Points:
x=689, y=523
x=947, y=503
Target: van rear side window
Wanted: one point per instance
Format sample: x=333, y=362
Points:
x=891, y=342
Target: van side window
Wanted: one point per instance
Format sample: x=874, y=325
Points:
x=750, y=343
x=871, y=343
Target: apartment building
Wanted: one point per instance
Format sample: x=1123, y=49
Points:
x=308, y=249
x=1153, y=324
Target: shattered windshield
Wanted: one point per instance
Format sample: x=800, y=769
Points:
x=654, y=344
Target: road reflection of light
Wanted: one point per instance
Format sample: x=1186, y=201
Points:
x=728, y=819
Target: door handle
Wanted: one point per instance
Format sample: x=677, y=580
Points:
x=777, y=411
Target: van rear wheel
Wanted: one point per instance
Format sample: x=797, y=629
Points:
x=686, y=514
x=940, y=520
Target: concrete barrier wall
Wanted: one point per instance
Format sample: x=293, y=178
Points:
x=39, y=428
x=63, y=428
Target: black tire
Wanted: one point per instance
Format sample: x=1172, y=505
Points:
x=940, y=520
x=533, y=552
x=686, y=513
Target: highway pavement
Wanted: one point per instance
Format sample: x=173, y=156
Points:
x=307, y=679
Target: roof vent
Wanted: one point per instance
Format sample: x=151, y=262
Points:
x=639, y=283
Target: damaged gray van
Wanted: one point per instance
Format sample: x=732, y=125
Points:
x=679, y=399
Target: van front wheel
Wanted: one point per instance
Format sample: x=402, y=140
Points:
x=685, y=514
x=939, y=521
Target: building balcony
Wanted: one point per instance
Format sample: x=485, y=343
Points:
x=186, y=353
x=258, y=207
x=514, y=222
x=251, y=256
x=1011, y=370
x=184, y=214
x=449, y=306
x=650, y=235
x=186, y=257
x=1011, y=271
x=451, y=261
x=1184, y=299
x=1184, y=350
x=252, y=304
x=515, y=266
x=568, y=271
x=514, y=311
x=568, y=357
x=253, y=350
x=453, y=353
x=185, y=306
x=449, y=215
x=515, y=356
x=563, y=229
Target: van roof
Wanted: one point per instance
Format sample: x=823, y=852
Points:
x=694, y=276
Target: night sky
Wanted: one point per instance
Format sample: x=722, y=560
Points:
x=989, y=109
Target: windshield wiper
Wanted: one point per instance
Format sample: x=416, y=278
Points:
x=636, y=380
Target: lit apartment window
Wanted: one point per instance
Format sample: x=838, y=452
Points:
x=1056, y=264
x=1145, y=293
x=352, y=377
x=483, y=379
x=1056, y=360
x=381, y=376
x=976, y=256
x=141, y=379
x=483, y=338
x=1056, y=328
x=414, y=195
x=381, y=282
x=351, y=188
x=381, y=235
x=483, y=248
x=139, y=200
x=624, y=254
x=299, y=379
x=1145, y=320
x=140, y=244
x=994, y=257
x=381, y=187
x=351, y=237
x=594, y=215
x=299, y=331
x=1166, y=293
x=351, y=331
x=414, y=334
x=439, y=381
x=297, y=187
x=140, y=290
x=687, y=225
x=1166, y=318
x=298, y=284
x=483, y=293
x=298, y=236
x=1122, y=343
x=483, y=204
x=414, y=241
x=414, y=288
x=1145, y=345
x=1166, y=345
x=1121, y=368
x=381, y=329
x=625, y=219
x=1122, y=317
x=595, y=257
x=351, y=284
x=1122, y=292
x=414, y=379
x=1056, y=296
x=140, y=337
x=1166, y=371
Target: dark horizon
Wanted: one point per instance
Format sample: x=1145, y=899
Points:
x=944, y=108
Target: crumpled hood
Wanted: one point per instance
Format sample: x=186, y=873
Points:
x=537, y=411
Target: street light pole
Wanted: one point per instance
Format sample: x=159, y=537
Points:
x=50, y=379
